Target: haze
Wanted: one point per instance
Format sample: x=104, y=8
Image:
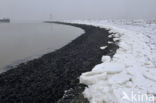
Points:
x=39, y=10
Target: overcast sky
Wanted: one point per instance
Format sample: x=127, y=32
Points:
x=76, y=9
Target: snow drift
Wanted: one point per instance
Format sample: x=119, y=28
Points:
x=131, y=70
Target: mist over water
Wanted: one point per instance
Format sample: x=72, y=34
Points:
x=39, y=10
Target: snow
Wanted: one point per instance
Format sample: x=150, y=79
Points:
x=106, y=59
x=131, y=70
x=103, y=47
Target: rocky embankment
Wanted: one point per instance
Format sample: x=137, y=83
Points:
x=53, y=78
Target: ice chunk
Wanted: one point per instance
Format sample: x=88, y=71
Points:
x=106, y=58
x=109, y=67
x=103, y=47
x=119, y=78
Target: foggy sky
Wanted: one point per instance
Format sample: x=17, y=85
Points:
x=27, y=10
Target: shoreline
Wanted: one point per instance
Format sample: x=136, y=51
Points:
x=133, y=62
x=45, y=79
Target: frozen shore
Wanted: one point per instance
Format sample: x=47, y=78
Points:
x=131, y=70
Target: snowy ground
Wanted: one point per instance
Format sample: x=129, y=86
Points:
x=130, y=76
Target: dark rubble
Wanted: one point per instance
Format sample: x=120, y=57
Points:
x=45, y=79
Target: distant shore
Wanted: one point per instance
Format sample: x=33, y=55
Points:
x=45, y=79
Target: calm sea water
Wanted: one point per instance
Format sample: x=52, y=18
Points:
x=23, y=41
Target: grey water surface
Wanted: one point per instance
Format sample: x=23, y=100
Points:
x=23, y=41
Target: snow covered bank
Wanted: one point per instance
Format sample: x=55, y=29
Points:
x=132, y=70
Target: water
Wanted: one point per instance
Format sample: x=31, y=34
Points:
x=22, y=41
